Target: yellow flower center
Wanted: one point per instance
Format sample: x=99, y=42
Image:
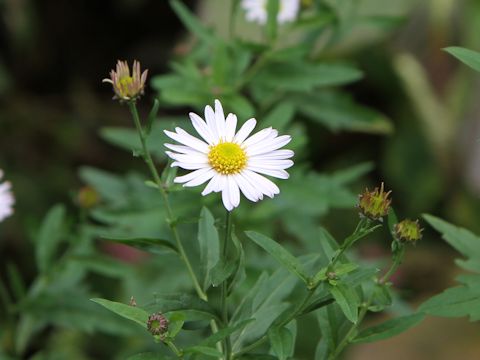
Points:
x=227, y=158
x=125, y=83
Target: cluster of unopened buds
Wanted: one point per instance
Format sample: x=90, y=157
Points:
x=376, y=204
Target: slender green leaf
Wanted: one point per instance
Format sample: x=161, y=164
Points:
x=209, y=244
x=152, y=115
x=468, y=57
x=191, y=22
x=279, y=253
x=149, y=356
x=151, y=245
x=388, y=328
x=49, y=237
x=221, y=272
x=204, y=350
x=175, y=323
x=176, y=302
x=348, y=300
x=281, y=340
x=129, y=312
x=223, y=333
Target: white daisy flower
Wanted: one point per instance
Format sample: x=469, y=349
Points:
x=231, y=161
x=256, y=11
x=6, y=199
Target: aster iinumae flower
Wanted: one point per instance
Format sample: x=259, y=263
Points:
x=230, y=160
x=256, y=11
x=6, y=199
x=127, y=87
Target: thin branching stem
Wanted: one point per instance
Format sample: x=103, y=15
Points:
x=156, y=177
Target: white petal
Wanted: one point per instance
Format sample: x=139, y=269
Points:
x=270, y=164
x=278, y=173
x=202, y=128
x=189, y=166
x=212, y=185
x=262, y=183
x=221, y=183
x=190, y=176
x=233, y=191
x=226, y=199
x=200, y=179
x=220, y=119
x=195, y=159
x=244, y=131
x=187, y=150
x=211, y=123
x=268, y=145
x=230, y=127
x=185, y=138
x=248, y=190
x=274, y=155
x=260, y=136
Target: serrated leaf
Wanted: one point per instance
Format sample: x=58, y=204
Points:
x=454, y=302
x=468, y=57
x=460, y=239
x=337, y=111
x=347, y=299
x=305, y=76
x=280, y=254
x=49, y=237
x=388, y=329
x=129, y=312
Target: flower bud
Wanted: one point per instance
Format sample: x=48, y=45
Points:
x=374, y=204
x=157, y=324
x=127, y=87
x=87, y=197
x=408, y=231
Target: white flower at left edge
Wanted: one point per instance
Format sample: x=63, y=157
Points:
x=256, y=11
x=6, y=199
x=230, y=160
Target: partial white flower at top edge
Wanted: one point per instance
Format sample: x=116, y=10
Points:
x=256, y=11
x=6, y=199
x=230, y=160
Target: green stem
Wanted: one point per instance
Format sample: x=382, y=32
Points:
x=252, y=71
x=299, y=309
x=350, y=240
x=224, y=292
x=149, y=161
x=174, y=349
x=397, y=260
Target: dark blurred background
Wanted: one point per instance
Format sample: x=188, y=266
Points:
x=54, y=54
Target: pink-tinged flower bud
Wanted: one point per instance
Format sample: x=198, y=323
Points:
x=157, y=324
x=127, y=87
x=408, y=231
x=374, y=204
